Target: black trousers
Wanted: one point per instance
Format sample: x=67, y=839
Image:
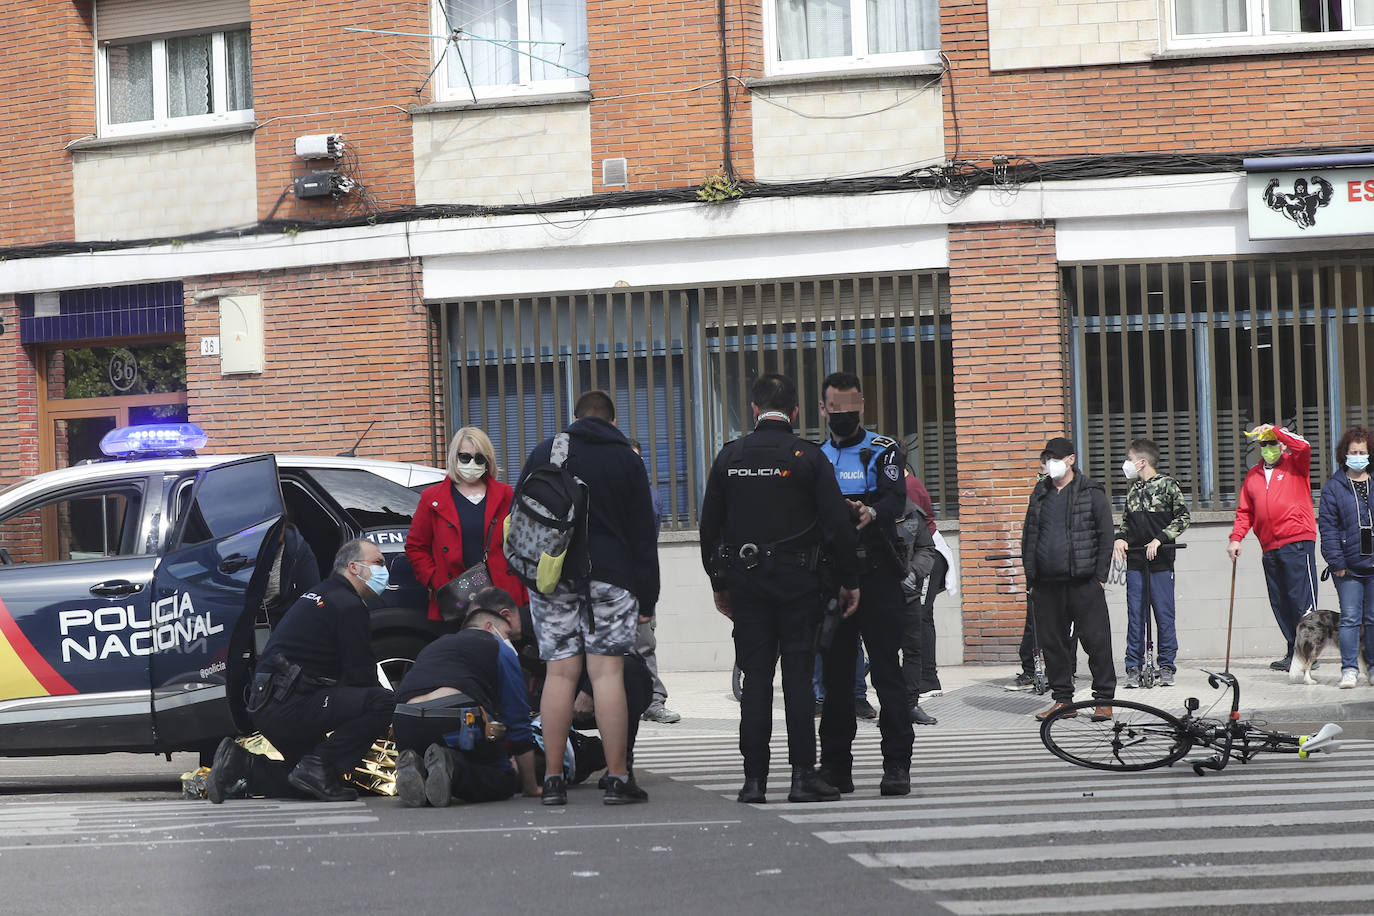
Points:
x=879, y=620
x=297, y=726
x=477, y=776
x=766, y=628
x=918, y=637
x=1082, y=603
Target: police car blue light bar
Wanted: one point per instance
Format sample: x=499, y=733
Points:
x=156, y=439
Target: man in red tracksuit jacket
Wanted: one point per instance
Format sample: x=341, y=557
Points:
x=1276, y=501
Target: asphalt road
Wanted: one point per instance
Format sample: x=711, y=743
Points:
x=996, y=826
x=110, y=835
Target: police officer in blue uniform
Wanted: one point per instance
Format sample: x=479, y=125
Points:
x=869, y=470
x=772, y=518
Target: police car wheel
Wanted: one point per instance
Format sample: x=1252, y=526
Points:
x=395, y=655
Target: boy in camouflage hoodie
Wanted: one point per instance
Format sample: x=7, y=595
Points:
x=1155, y=517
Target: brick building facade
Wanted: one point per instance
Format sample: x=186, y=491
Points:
x=1012, y=219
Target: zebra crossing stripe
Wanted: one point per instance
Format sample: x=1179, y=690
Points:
x=1186, y=900
x=1179, y=872
x=1136, y=849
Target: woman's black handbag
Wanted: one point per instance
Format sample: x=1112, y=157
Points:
x=453, y=598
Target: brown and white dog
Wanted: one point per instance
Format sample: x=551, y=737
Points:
x=1316, y=630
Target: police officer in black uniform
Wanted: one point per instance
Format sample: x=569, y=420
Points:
x=317, y=675
x=868, y=468
x=771, y=517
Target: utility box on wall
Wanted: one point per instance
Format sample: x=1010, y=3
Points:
x=240, y=334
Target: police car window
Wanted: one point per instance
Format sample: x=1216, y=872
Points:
x=77, y=525
x=233, y=498
x=371, y=501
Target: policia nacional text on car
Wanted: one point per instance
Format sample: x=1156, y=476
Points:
x=317, y=676
x=869, y=470
x=771, y=515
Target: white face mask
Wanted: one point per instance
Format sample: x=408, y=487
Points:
x=1129, y=469
x=470, y=471
x=1056, y=468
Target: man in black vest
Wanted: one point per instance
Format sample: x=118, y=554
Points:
x=772, y=509
x=1066, y=549
x=441, y=756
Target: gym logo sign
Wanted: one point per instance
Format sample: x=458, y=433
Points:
x=1320, y=202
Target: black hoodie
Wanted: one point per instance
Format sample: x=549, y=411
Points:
x=622, y=540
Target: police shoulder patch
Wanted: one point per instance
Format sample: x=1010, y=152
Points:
x=892, y=472
x=883, y=442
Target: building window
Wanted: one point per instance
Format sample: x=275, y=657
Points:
x=178, y=82
x=817, y=35
x=1197, y=23
x=1192, y=354
x=680, y=363
x=511, y=47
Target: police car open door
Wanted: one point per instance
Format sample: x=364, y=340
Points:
x=205, y=594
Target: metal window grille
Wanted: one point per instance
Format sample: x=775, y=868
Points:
x=679, y=364
x=1191, y=354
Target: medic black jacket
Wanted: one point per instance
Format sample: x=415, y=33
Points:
x=773, y=487
x=327, y=633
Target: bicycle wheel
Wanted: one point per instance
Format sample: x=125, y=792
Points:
x=1137, y=737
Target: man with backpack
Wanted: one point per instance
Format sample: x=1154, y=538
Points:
x=581, y=536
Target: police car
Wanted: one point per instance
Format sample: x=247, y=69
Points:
x=131, y=588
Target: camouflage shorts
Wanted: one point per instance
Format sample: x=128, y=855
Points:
x=561, y=622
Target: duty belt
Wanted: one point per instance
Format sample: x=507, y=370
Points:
x=449, y=707
x=751, y=556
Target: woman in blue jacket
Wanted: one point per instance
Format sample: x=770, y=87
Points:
x=1346, y=522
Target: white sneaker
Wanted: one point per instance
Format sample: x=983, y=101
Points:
x=1348, y=678
x=937, y=692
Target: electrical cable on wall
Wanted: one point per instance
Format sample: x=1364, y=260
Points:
x=955, y=179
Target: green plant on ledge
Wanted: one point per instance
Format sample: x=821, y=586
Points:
x=719, y=188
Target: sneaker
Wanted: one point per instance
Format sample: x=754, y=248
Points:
x=1132, y=678
x=927, y=694
x=1166, y=677
x=439, y=766
x=1023, y=681
x=864, y=709
x=623, y=792
x=1348, y=678
x=228, y=772
x=410, y=779
x=657, y=712
x=1282, y=664
x=555, y=790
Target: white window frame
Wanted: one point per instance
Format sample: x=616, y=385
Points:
x=1257, y=19
x=161, y=121
x=858, y=40
x=448, y=91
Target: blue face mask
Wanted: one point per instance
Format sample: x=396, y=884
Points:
x=378, y=579
x=1357, y=462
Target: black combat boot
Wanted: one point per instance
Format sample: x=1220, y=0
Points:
x=841, y=779
x=314, y=778
x=754, y=791
x=808, y=786
x=228, y=772
x=896, y=780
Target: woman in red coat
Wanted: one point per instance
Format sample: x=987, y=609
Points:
x=462, y=519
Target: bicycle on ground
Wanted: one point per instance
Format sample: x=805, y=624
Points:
x=1141, y=737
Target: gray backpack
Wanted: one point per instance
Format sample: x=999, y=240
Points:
x=547, y=525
